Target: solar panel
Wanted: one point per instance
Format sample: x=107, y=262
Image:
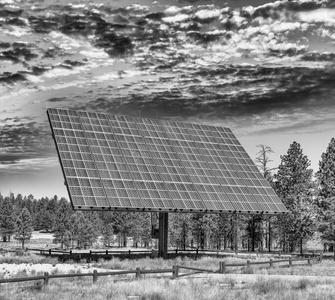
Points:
x=126, y=163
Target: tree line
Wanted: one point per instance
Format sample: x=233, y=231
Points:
x=309, y=198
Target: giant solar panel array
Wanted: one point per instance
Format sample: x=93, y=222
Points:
x=128, y=163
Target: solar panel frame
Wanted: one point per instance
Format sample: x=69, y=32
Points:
x=126, y=163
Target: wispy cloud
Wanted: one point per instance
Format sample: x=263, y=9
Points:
x=32, y=164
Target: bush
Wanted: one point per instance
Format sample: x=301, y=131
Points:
x=273, y=285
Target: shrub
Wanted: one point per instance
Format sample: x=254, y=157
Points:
x=266, y=286
x=153, y=296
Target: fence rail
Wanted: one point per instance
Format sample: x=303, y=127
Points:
x=174, y=271
x=68, y=254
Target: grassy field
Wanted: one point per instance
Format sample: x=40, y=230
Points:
x=165, y=288
x=265, y=286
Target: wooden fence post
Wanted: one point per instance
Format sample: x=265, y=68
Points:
x=248, y=264
x=49, y=251
x=46, y=278
x=95, y=276
x=309, y=262
x=175, y=271
x=177, y=251
x=138, y=272
x=271, y=263
x=106, y=252
x=129, y=253
x=222, y=267
x=290, y=262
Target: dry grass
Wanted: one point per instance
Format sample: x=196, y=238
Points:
x=159, y=263
x=166, y=289
x=146, y=288
x=26, y=257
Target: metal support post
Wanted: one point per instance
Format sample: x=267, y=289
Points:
x=163, y=235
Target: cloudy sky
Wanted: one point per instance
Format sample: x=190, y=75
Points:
x=264, y=69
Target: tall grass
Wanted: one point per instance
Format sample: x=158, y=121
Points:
x=26, y=257
x=150, y=288
x=159, y=263
x=166, y=289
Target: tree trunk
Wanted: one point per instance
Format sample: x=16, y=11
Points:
x=184, y=236
x=236, y=233
x=253, y=235
x=269, y=229
x=232, y=233
x=124, y=240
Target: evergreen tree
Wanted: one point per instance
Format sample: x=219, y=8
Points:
x=326, y=173
x=7, y=219
x=24, y=226
x=140, y=230
x=62, y=226
x=258, y=223
x=326, y=199
x=108, y=235
x=74, y=228
x=94, y=219
x=180, y=230
x=124, y=223
x=295, y=187
x=82, y=230
x=327, y=222
x=202, y=228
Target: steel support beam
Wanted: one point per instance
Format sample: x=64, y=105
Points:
x=163, y=235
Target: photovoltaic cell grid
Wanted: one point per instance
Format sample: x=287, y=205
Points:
x=123, y=162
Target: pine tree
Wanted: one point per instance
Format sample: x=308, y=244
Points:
x=108, y=235
x=326, y=173
x=180, y=230
x=24, y=226
x=257, y=223
x=326, y=199
x=124, y=222
x=295, y=187
x=96, y=222
x=62, y=225
x=140, y=230
x=7, y=219
x=327, y=223
x=82, y=230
